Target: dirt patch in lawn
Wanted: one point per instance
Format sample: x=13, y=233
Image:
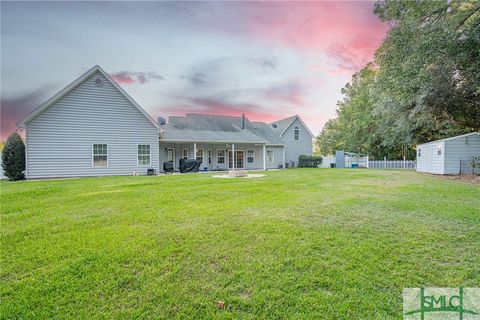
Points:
x=468, y=178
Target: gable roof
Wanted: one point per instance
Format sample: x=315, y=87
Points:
x=214, y=128
x=451, y=138
x=32, y=115
x=281, y=126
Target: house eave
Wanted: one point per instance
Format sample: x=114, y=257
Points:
x=212, y=141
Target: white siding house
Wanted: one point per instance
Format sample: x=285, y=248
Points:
x=296, y=136
x=90, y=128
x=446, y=156
x=94, y=128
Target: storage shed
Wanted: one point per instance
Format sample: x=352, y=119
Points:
x=449, y=156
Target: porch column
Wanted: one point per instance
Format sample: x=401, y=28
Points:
x=264, y=158
x=195, y=150
x=283, y=166
x=233, y=156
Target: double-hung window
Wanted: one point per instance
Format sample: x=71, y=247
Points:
x=100, y=155
x=143, y=154
x=220, y=156
x=250, y=156
x=209, y=156
x=296, y=133
x=184, y=154
x=419, y=152
x=270, y=158
x=199, y=155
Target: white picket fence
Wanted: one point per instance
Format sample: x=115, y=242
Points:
x=392, y=164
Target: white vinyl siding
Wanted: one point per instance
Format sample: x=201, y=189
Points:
x=61, y=138
x=143, y=154
x=460, y=149
x=298, y=141
x=446, y=156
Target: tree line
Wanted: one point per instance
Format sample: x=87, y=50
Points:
x=423, y=83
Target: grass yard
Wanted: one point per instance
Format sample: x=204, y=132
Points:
x=303, y=243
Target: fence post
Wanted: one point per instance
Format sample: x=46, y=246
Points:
x=404, y=164
x=368, y=166
x=384, y=162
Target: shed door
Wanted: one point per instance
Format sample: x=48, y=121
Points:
x=428, y=158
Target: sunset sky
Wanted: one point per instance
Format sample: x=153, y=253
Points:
x=266, y=59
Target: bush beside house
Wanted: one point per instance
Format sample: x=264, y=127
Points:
x=306, y=161
x=13, y=157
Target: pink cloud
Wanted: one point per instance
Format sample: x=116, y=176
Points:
x=129, y=77
x=347, y=32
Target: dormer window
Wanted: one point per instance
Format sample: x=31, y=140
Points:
x=296, y=133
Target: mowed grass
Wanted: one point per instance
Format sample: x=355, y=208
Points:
x=318, y=243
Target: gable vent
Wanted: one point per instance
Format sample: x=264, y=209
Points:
x=99, y=82
x=274, y=125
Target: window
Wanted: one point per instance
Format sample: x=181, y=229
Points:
x=199, y=155
x=170, y=154
x=270, y=158
x=143, y=154
x=250, y=156
x=184, y=154
x=100, y=155
x=220, y=156
x=296, y=133
x=209, y=156
x=439, y=150
x=419, y=153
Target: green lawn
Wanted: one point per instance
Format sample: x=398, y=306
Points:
x=331, y=244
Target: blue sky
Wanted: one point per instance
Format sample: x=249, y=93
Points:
x=267, y=59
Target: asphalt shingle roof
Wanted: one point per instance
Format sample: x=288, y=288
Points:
x=213, y=128
x=281, y=125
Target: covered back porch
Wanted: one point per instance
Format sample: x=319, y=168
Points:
x=222, y=156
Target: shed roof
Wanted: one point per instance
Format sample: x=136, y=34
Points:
x=450, y=138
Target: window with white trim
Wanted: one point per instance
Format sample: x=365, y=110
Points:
x=143, y=154
x=419, y=152
x=220, y=156
x=100, y=155
x=184, y=154
x=170, y=154
x=199, y=155
x=209, y=156
x=250, y=156
x=439, y=150
x=296, y=133
x=270, y=158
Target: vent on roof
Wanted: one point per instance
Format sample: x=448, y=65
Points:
x=99, y=82
x=274, y=125
x=161, y=121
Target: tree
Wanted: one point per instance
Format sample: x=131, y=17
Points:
x=13, y=157
x=424, y=83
